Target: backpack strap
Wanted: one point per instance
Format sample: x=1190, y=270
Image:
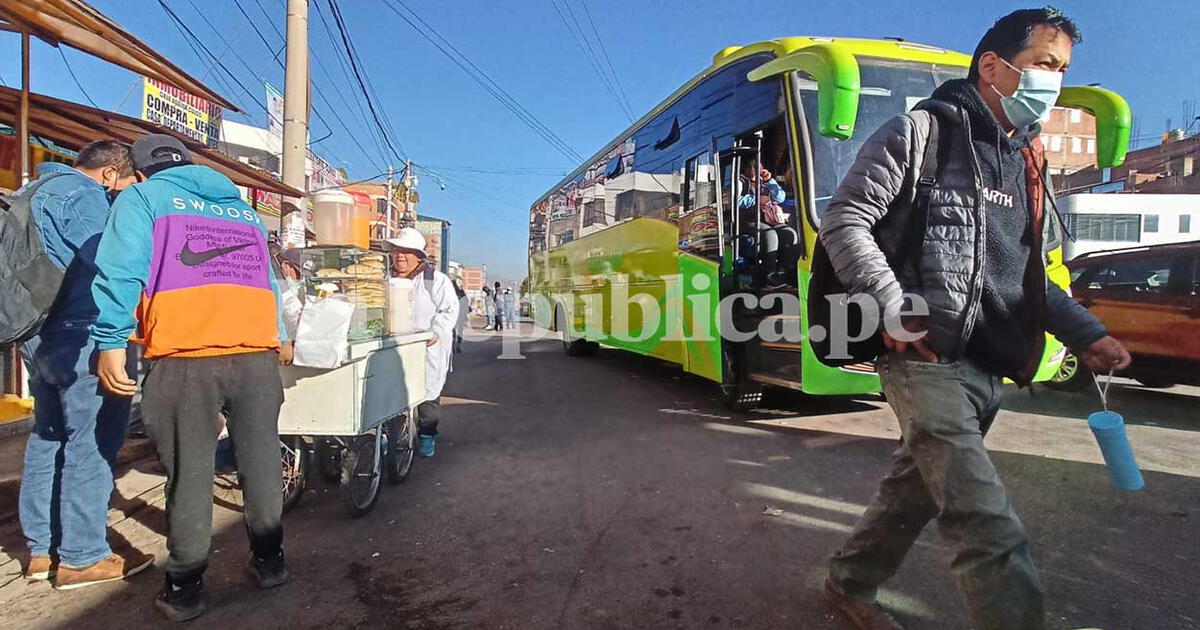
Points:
x=929, y=166
x=926, y=180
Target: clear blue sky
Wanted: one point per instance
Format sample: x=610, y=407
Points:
x=443, y=119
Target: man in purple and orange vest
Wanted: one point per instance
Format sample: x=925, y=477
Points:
x=184, y=264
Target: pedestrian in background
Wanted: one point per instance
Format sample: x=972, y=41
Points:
x=510, y=308
x=489, y=308
x=463, y=310
x=498, y=306
x=988, y=316
x=189, y=257
x=435, y=308
x=78, y=429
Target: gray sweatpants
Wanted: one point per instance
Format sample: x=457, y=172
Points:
x=943, y=471
x=180, y=402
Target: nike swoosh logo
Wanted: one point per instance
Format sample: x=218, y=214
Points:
x=190, y=258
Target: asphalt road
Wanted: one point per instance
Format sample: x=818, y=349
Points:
x=616, y=492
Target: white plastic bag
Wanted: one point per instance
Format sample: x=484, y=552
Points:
x=292, y=308
x=321, y=336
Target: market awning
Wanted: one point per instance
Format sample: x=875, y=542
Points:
x=72, y=125
x=78, y=25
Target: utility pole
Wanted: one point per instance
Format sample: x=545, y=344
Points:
x=410, y=218
x=387, y=229
x=295, y=96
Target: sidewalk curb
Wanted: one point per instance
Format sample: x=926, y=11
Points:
x=16, y=426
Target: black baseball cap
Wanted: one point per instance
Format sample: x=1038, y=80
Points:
x=156, y=151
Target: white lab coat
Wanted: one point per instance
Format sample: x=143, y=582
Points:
x=435, y=307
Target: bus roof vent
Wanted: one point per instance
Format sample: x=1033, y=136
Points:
x=921, y=47
x=725, y=53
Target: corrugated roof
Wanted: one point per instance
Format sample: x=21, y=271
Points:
x=78, y=25
x=73, y=125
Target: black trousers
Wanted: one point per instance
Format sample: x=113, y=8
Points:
x=180, y=401
x=428, y=414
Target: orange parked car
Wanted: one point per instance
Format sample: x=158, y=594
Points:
x=1149, y=299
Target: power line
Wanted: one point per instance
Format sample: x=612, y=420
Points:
x=320, y=116
x=585, y=48
x=482, y=78
x=528, y=171
x=362, y=114
x=608, y=60
x=74, y=78
x=316, y=89
x=358, y=75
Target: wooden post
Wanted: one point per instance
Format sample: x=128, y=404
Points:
x=23, y=113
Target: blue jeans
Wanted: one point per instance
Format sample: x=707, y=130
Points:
x=72, y=450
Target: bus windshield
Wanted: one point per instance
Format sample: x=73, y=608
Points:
x=889, y=87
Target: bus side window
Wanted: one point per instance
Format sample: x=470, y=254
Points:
x=698, y=225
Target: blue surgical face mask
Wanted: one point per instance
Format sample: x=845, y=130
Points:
x=1035, y=96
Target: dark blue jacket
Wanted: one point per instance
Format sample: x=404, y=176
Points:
x=71, y=210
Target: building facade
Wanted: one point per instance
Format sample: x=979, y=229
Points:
x=1168, y=168
x=1098, y=222
x=474, y=279
x=1069, y=137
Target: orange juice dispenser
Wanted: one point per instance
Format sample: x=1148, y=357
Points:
x=333, y=220
x=364, y=214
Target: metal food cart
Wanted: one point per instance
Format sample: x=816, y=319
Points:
x=359, y=409
x=361, y=416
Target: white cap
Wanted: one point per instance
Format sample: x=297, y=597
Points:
x=411, y=239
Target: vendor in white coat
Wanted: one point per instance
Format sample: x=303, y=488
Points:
x=435, y=308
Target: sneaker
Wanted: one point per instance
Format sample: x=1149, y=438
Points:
x=428, y=446
x=268, y=572
x=181, y=603
x=862, y=614
x=114, y=567
x=40, y=568
x=774, y=281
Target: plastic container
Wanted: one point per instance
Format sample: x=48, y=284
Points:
x=400, y=306
x=364, y=211
x=1109, y=429
x=335, y=220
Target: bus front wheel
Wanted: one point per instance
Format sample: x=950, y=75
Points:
x=571, y=346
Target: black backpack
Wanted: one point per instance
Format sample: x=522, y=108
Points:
x=29, y=279
x=824, y=281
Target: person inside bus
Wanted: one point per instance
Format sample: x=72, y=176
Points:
x=761, y=211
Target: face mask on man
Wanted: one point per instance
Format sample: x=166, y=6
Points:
x=1036, y=94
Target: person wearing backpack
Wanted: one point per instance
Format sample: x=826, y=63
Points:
x=72, y=449
x=435, y=308
x=978, y=262
x=184, y=264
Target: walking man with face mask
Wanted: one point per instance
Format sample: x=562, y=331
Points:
x=980, y=268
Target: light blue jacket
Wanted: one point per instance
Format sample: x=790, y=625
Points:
x=70, y=210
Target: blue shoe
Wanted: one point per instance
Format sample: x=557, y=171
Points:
x=428, y=445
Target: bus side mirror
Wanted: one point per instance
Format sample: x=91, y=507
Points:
x=838, y=84
x=1113, y=121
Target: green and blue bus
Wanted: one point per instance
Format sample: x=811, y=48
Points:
x=651, y=215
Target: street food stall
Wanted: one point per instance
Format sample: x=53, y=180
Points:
x=357, y=378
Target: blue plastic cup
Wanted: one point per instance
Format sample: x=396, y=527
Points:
x=1109, y=429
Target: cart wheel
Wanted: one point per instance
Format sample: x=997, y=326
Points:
x=294, y=453
x=361, y=468
x=401, y=437
x=329, y=459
